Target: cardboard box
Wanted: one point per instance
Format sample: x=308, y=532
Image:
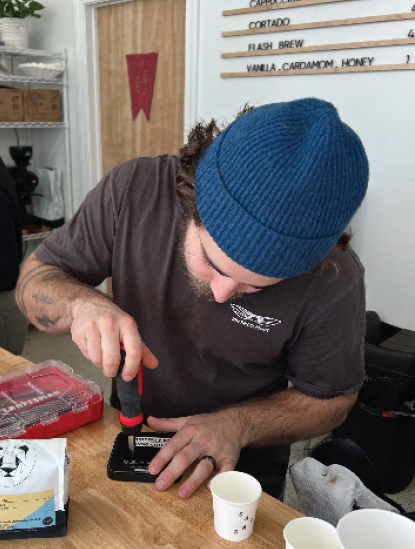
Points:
x=11, y=105
x=42, y=105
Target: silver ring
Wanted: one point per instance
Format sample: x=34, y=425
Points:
x=211, y=459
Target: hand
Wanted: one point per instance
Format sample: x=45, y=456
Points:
x=214, y=434
x=98, y=328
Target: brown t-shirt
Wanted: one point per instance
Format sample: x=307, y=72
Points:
x=308, y=329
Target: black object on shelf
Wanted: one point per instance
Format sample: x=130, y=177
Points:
x=26, y=182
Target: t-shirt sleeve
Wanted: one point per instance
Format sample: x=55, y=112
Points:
x=83, y=246
x=327, y=359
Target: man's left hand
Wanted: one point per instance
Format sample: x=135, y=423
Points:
x=216, y=434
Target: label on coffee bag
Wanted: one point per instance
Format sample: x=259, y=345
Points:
x=31, y=510
x=34, y=485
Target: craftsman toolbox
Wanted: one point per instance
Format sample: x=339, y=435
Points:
x=46, y=400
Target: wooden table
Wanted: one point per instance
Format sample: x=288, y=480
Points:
x=108, y=514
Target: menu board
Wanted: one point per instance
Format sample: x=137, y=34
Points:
x=290, y=37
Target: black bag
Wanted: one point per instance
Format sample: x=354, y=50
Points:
x=382, y=423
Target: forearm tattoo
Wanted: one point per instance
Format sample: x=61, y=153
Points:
x=45, y=321
x=43, y=273
x=42, y=298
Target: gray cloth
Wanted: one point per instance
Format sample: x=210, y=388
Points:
x=329, y=492
x=13, y=325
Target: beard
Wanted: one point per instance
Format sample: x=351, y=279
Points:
x=200, y=288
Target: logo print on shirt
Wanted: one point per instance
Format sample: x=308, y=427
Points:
x=258, y=322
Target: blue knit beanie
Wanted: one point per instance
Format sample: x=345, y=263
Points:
x=277, y=188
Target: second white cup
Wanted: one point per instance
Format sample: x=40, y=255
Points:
x=235, y=500
x=310, y=533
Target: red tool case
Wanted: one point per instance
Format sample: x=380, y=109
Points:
x=46, y=400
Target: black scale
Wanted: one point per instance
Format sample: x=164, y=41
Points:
x=133, y=466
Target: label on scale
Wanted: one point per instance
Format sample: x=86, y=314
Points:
x=149, y=442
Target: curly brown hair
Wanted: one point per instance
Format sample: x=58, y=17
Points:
x=198, y=140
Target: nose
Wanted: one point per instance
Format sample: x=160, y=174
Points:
x=223, y=287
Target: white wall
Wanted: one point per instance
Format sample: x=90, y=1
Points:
x=56, y=31
x=379, y=106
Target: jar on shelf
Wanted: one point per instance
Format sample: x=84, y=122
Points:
x=14, y=32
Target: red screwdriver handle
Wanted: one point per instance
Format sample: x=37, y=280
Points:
x=129, y=393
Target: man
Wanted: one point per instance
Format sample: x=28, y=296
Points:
x=13, y=326
x=274, y=193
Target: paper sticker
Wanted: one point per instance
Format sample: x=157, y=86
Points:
x=23, y=511
x=150, y=442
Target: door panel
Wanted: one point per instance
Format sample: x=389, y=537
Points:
x=141, y=26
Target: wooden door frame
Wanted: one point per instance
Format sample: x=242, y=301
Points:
x=88, y=82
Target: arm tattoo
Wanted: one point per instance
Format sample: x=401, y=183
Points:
x=20, y=284
x=42, y=298
x=57, y=275
x=45, y=321
x=48, y=273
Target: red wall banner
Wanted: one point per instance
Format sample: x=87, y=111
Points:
x=141, y=73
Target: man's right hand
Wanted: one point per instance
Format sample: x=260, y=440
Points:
x=99, y=328
x=56, y=302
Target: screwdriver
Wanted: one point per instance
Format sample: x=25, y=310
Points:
x=129, y=393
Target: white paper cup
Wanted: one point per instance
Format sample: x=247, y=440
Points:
x=310, y=533
x=376, y=529
x=235, y=499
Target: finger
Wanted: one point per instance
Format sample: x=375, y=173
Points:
x=80, y=341
x=178, y=465
x=166, y=424
x=133, y=346
x=110, y=344
x=167, y=453
x=203, y=470
x=148, y=359
x=225, y=464
x=93, y=344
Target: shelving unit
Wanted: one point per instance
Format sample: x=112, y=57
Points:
x=29, y=125
x=30, y=79
x=36, y=236
x=32, y=53
x=15, y=56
